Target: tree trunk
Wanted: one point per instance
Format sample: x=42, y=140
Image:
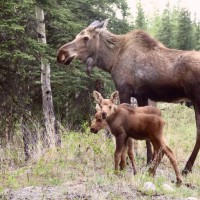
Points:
x=47, y=102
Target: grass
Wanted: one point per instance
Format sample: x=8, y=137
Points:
x=85, y=164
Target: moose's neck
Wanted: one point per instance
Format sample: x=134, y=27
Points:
x=109, y=46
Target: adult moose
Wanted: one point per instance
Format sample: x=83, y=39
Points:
x=140, y=67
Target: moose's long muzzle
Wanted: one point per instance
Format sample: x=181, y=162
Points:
x=66, y=53
x=64, y=57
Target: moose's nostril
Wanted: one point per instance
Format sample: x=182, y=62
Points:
x=92, y=130
x=61, y=58
x=104, y=115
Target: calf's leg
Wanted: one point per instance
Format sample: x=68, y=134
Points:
x=149, y=152
x=122, y=163
x=135, y=144
x=130, y=143
x=157, y=157
x=120, y=144
x=170, y=154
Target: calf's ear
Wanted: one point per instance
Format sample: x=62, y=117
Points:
x=115, y=97
x=97, y=96
x=97, y=108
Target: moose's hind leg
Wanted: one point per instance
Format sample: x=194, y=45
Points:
x=190, y=162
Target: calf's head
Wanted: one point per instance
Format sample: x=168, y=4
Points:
x=84, y=47
x=108, y=106
x=98, y=123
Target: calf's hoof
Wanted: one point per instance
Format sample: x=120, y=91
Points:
x=179, y=183
x=122, y=166
x=151, y=172
x=134, y=172
x=117, y=172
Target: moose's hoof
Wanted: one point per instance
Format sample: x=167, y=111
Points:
x=186, y=171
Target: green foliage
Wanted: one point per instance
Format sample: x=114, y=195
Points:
x=165, y=32
x=184, y=37
x=19, y=61
x=140, y=21
x=197, y=36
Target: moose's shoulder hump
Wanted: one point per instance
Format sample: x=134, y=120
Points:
x=144, y=39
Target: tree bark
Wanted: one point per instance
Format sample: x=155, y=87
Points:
x=52, y=136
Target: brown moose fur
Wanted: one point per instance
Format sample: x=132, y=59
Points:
x=125, y=123
x=140, y=67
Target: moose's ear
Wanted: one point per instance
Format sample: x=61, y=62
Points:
x=97, y=24
x=115, y=97
x=97, y=96
x=97, y=108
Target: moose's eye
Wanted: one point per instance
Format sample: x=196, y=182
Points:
x=85, y=39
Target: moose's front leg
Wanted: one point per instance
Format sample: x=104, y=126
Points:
x=124, y=94
x=142, y=101
x=120, y=145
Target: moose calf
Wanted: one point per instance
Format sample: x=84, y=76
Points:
x=125, y=123
x=99, y=123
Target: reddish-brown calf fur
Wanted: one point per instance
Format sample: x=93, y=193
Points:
x=99, y=123
x=125, y=123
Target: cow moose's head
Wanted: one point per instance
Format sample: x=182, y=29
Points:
x=84, y=47
x=98, y=123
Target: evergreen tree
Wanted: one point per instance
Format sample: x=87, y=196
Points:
x=140, y=22
x=19, y=61
x=197, y=36
x=21, y=52
x=165, y=31
x=184, y=37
